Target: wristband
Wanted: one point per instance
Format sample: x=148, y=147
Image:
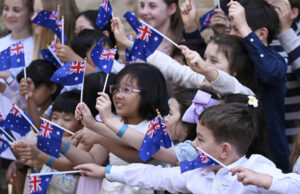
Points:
x=10, y=79
x=50, y=161
x=107, y=169
x=66, y=148
x=122, y=130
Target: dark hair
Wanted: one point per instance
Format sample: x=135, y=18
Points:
x=153, y=88
x=295, y=4
x=195, y=44
x=231, y=123
x=66, y=102
x=93, y=84
x=185, y=99
x=40, y=71
x=259, y=14
x=240, y=63
x=176, y=20
x=86, y=39
x=259, y=143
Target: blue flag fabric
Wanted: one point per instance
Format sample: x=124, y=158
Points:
x=12, y=57
x=132, y=20
x=70, y=74
x=15, y=121
x=49, y=19
x=146, y=42
x=49, y=54
x=157, y=135
x=39, y=184
x=49, y=138
x=3, y=145
x=104, y=14
x=205, y=20
x=201, y=161
x=103, y=58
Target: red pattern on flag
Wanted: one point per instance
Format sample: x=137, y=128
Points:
x=34, y=184
x=204, y=157
x=77, y=67
x=108, y=54
x=15, y=112
x=53, y=16
x=17, y=49
x=104, y=4
x=144, y=33
x=153, y=127
x=46, y=130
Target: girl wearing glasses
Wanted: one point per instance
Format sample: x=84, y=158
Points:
x=139, y=90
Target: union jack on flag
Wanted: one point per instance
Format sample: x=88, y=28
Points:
x=49, y=138
x=144, y=32
x=157, y=135
x=17, y=49
x=104, y=14
x=53, y=16
x=70, y=74
x=39, y=184
x=15, y=112
x=205, y=20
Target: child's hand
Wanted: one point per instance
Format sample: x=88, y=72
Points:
x=103, y=105
x=194, y=60
x=220, y=22
x=25, y=150
x=283, y=9
x=250, y=177
x=26, y=87
x=238, y=18
x=86, y=136
x=11, y=172
x=119, y=31
x=84, y=114
x=66, y=54
x=188, y=15
x=91, y=170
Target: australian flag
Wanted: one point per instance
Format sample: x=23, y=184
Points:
x=39, y=184
x=132, y=20
x=103, y=58
x=17, y=121
x=49, y=54
x=203, y=160
x=49, y=19
x=70, y=74
x=104, y=14
x=156, y=136
x=12, y=57
x=49, y=138
x=146, y=42
x=3, y=145
x=205, y=20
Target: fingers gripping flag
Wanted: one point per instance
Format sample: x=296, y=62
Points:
x=157, y=135
x=103, y=58
x=104, y=14
x=49, y=138
x=39, y=184
x=146, y=42
x=12, y=57
x=203, y=160
x=70, y=74
x=15, y=121
x=49, y=19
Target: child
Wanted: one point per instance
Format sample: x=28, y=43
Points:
x=139, y=89
x=225, y=132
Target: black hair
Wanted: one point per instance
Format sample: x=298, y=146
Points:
x=259, y=14
x=40, y=71
x=153, y=88
x=259, y=143
x=231, y=123
x=66, y=102
x=240, y=64
x=86, y=39
x=295, y=4
x=93, y=84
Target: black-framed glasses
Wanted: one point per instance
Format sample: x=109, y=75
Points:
x=113, y=89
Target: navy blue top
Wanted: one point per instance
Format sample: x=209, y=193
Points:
x=270, y=69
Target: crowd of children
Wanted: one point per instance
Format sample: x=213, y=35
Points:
x=231, y=98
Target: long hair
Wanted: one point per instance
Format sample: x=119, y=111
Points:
x=295, y=149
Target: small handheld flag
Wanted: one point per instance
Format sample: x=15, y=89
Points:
x=49, y=54
x=39, y=184
x=132, y=20
x=70, y=74
x=157, y=135
x=104, y=14
x=205, y=20
x=3, y=145
x=12, y=57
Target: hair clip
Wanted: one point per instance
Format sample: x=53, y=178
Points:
x=253, y=101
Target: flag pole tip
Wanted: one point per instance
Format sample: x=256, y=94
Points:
x=158, y=113
x=62, y=16
x=85, y=58
x=58, y=6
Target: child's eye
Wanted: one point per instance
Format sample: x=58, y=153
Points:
x=127, y=90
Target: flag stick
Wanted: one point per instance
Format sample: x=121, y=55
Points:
x=199, y=150
x=82, y=85
x=105, y=83
x=10, y=137
x=57, y=15
x=55, y=173
x=55, y=56
x=66, y=130
x=22, y=113
x=158, y=32
x=219, y=5
x=25, y=76
x=62, y=30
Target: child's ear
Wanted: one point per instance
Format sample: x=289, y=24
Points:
x=172, y=9
x=294, y=13
x=262, y=34
x=226, y=150
x=53, y=89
